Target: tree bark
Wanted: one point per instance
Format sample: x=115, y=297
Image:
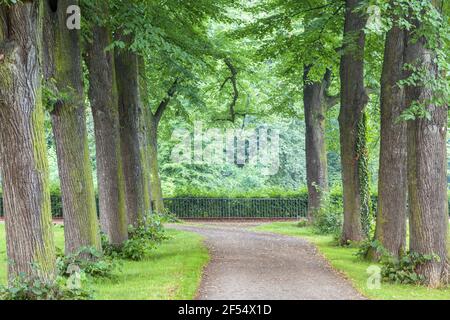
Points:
x=145, y=136
x=130, y=112
x=392, y=182
x=105, y=110
x=352, y=125
x=157, y=195
x=24, y=166
x=69, y=130
x=152, y=129
x=427, y=167
x=153, y=123
x=316, y=153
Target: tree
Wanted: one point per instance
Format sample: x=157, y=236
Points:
x=153, y=120
x=172, y=40
x=309, y=51
x=427, y=139
x=104, y=102
x=24, y=165
x=316, y=102
x=352, y=124
x=64, y=88
x=131, y=131
x=144, y=136
x=392, y=184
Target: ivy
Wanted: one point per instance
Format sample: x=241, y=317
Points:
x=52, y=97
x=404, y=269
x=362, y=154
x=421, y=76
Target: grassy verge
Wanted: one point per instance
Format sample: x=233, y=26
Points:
x=345, y=261
x=173, y=271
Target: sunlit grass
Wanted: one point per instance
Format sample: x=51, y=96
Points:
x=345, y=261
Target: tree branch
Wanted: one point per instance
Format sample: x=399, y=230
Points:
x=165, y=102
x=233, y=79
x=312, y=9
x=225, y=82
x=372, y=90
x=332, y=101
x=332, y=16
x=240, y=114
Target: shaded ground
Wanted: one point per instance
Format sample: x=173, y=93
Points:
x=259, y=266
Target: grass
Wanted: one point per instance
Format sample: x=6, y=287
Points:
x=172, y=272
x=343, y=259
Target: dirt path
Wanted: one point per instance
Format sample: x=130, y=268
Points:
x=264, y=266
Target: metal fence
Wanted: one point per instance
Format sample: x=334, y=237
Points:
x=226, y=208
x=222, y=208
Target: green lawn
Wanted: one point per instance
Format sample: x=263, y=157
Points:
x=172, y=272
x=345, y=261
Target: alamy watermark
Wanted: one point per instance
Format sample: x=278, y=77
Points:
x=374, y=279
x=73, y=21
x=258, y=147
x=374, y=20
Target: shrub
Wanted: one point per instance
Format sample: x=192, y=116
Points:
x=137, y=249
x=329, y=218
x=142, y=239
x=398, y=271
x=89, y=261
x=375, y=246
x=269, y=192
x=302, y=223
x=403, y=270
x=169, y=217
x=24, y=288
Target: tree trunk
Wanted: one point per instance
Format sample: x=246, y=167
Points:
x=24, y=166
x=153, y=123
x=105, y=110
x=316, y=153
x=130, y=133
x=352, y=125
x=427, y=167
x=145, y=119
x=392, y=181
x=157, y=195
x=145, y=160
x=69, y=129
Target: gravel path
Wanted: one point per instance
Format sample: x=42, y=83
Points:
x=263, y=266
